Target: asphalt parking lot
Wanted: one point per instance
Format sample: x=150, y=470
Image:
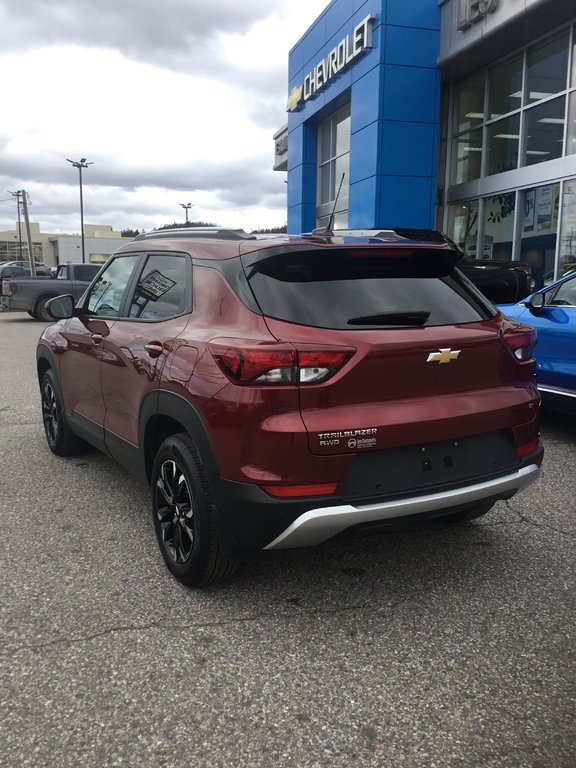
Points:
x=424, y=647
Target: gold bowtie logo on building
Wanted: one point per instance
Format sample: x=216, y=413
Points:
x=294, y=99
x=443, y=356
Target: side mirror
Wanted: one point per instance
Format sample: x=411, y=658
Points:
x=61, y=307
x=536, y=303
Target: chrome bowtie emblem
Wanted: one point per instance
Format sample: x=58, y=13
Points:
x=443, y=356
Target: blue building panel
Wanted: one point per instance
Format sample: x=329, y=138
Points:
x=337, y=16
x=313, y=42
x=295, y=185
x=364, y=146
x=302, y=147
x=372, y=57
x=301, y=218
x=364, y=203
x=304, y=177
x=295, y=62
x=365, y=100
x=405, y=201
x=415, y=14
x=296, y=153
x=393, y=89
x=408, y=149
x=409, y=94
x=411, y=47
x=369, y=6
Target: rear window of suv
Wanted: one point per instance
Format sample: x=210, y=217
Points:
x=343, y=289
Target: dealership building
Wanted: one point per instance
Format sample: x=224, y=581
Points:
x=458, y=115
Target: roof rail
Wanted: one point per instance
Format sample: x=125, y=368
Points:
x=215, y=233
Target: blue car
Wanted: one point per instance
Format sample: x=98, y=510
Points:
x=552, y=311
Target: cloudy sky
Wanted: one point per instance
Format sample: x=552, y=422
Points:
x=174, y=102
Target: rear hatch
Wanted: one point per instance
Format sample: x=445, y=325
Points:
x=423, y=354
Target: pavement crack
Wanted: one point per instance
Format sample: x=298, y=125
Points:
x=529, y=521
x=126, y=628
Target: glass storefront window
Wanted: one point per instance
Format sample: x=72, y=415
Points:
x=333, y=168
x=464, y=226
x=523, y=88
x=468, y=103
x=503, y=143
x=325, y=142
x=571, y=133
x=342, y=133
x=547, y=68
x=567, y=257
x=468, y=157
x=538, y=231
x=544, y=131
x=499, y=226
x=505, y=88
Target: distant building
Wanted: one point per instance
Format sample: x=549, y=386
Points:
x=453, y=114
x=99, y=242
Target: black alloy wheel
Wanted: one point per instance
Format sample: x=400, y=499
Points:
x=61, y=440
x=184, y=515
x=49, y=411
x=175, y=511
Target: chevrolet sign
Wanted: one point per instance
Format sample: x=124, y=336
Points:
x=337, y=60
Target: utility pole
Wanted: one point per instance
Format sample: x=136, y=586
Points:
x=17, y=196
x=28, y=235
x=81, y=164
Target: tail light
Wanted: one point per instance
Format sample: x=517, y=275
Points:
x=13, y=288
x=293, y=491
x=522, y=345
x=250, y=363
x=526, y=448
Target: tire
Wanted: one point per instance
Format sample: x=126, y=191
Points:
x=33, y=315
x=184, y=516
x=466, y=515
x=40, y=311
x=59, y=437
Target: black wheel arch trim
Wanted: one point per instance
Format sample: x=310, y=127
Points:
x=162, y=402
x=45, y=353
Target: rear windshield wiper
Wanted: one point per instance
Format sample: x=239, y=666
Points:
x=391, y=318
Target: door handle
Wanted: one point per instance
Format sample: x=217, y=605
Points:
x=154, y=348
x=96, y=338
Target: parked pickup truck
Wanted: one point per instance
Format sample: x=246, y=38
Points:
x=31, y=294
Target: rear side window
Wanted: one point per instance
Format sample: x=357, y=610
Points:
x=161, y=291
x=343, y=290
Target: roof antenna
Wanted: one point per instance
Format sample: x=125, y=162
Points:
x=327, y=230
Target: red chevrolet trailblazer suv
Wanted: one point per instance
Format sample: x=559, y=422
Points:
x=274, y=391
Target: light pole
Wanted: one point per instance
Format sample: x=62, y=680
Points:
x=186, y=207
x=81, y=164
x=17, y=196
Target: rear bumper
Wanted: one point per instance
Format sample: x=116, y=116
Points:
x=251, y=519
x=317, y=525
